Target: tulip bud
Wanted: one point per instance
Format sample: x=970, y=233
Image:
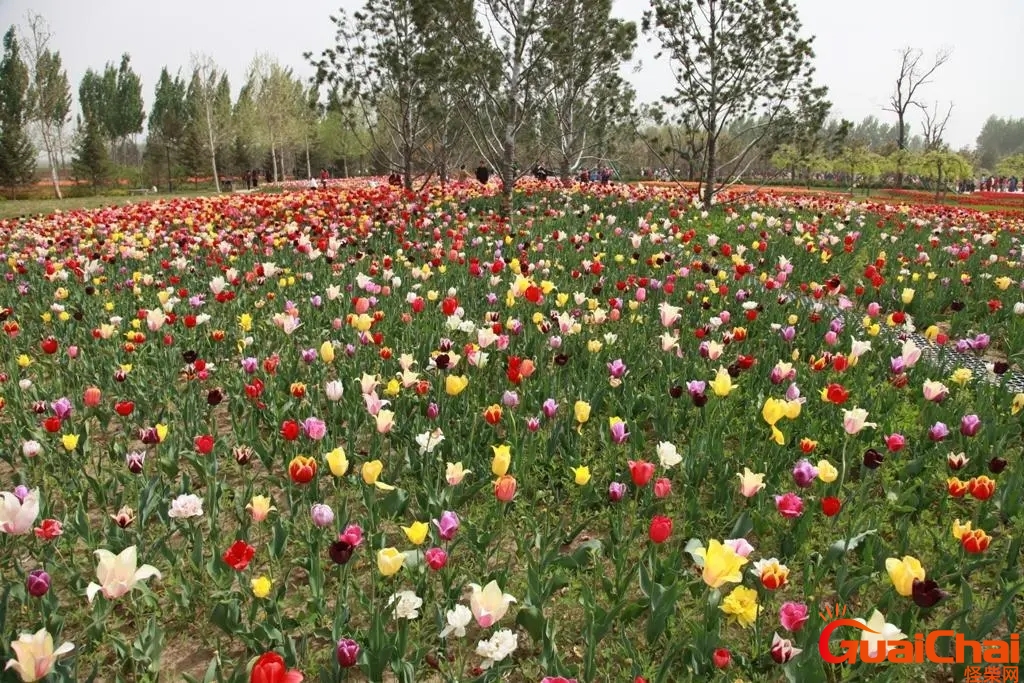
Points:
x=37, y=583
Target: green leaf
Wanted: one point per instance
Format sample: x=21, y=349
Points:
x=533, y=622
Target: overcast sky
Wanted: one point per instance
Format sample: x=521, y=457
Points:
x=856, y=44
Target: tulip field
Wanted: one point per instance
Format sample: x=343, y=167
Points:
x=356, y=434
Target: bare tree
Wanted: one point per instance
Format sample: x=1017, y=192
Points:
x=49, y=93
x=935, y=125
x=914, y=73
x=214, y=112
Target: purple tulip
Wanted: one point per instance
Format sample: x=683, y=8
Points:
x=37, y=583
x=792, y=392
x=21, y=493
x=618, y=432
x=617, y=368
x=969, y=425
x=62, y=408
x=347, y=653
x=533, y=423
x=249, y=365
x=696, y=388
x=616, y=490
x=549, y=408
x=447, y=525
x=896, y=365
x=322, y=514
x=510, y=399
x=938, y=431
x=432, y=411
x=788, y=333
x=804, y=473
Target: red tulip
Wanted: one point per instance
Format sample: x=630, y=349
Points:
x=290, y=430
x=204, y=444
x=49, y=346
x=270, y=668
x=124, y=408
x=660, y=529
x=239, y=555
x=641, y=472
x=830, y=506
x=302, y=469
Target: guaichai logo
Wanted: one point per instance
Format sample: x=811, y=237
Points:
x=875, y=647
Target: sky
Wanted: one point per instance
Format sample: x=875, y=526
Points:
x=856, y=45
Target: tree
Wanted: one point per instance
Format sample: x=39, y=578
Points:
x=277, y=98
x=1000, y=138
x=91, y=160
x=168, y=120
x=49, y=93
x=587, y=91
x=127, y=116
x=913, y=74
x=943, y=166
x=1011, y=166
x=17, y=156
x=510, y=46
x=858, y=161
x=935, y=126
x=733, y=60
x=387, y=63
x=209, y=102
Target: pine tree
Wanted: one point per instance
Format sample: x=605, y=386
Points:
x=17, y=155
x=91, y=160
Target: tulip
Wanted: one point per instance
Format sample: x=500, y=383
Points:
x=370, y=472
x=270, y=668
x=789, y=505
x=938, y=432
x=327, y=352
x=926, y=593
x=750, y=483
x=389, y=561
x=455, y=384
x=455, y=473
x=505, y=488
x=721, y=564
x=804, y=473
x=416, y=532
x=334, y=390
x=903, y=573
x=617, y=429
x=347, y=653
x=436, y=558
x=488, y=604
x=337, y=463
x=34, y=655
x=771, y=573
x=970, y=425
x=722, y=383
x=302, y=469
x=662, y=487
x=782, y=650
x=855, y=420
x=18, y=513
x=69, y=441
x=92, y=397
x=118, y=574
x=501, y=460
x=261, y=586
x=447, y=525
x=321, y=514
x=660, y=529
x=641, y=472
x=793, y=615
x=981, y=488
x=581, y=411
x=581, y=475
x=37, y=583
x=616, y=490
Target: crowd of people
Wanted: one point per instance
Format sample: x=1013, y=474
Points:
x=999, y=184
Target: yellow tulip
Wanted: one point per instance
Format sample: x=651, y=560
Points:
x=389, y=561
x=70, y=442
x=773, y=410
x=501, y=460
x=903, y=572
x=582, y=411
x=337, y=462
x=827, y=471
x=721, y=564
x=327, y=352
x=261, y=586
x=416, y=532
x=722, y=383
x=741, y=604
x=907, y=295
x=581, y=475
x=455, y=384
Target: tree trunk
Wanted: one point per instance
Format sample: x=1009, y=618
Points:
x=170, y=182
x=344, y=167
x=709, y=172
x=273, y=157
x=213, y=146
x=309, y=167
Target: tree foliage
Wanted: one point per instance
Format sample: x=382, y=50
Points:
x=17, y=155
x=733, y=60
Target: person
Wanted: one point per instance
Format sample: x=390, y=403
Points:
x=540, y=173
x=483, y=174
x=324, y=176
x=313, y=184
x=463, y=174
x=395, y=179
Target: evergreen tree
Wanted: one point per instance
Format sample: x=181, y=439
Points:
x=167, y=121
x=17, y=156
x=91, y=160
